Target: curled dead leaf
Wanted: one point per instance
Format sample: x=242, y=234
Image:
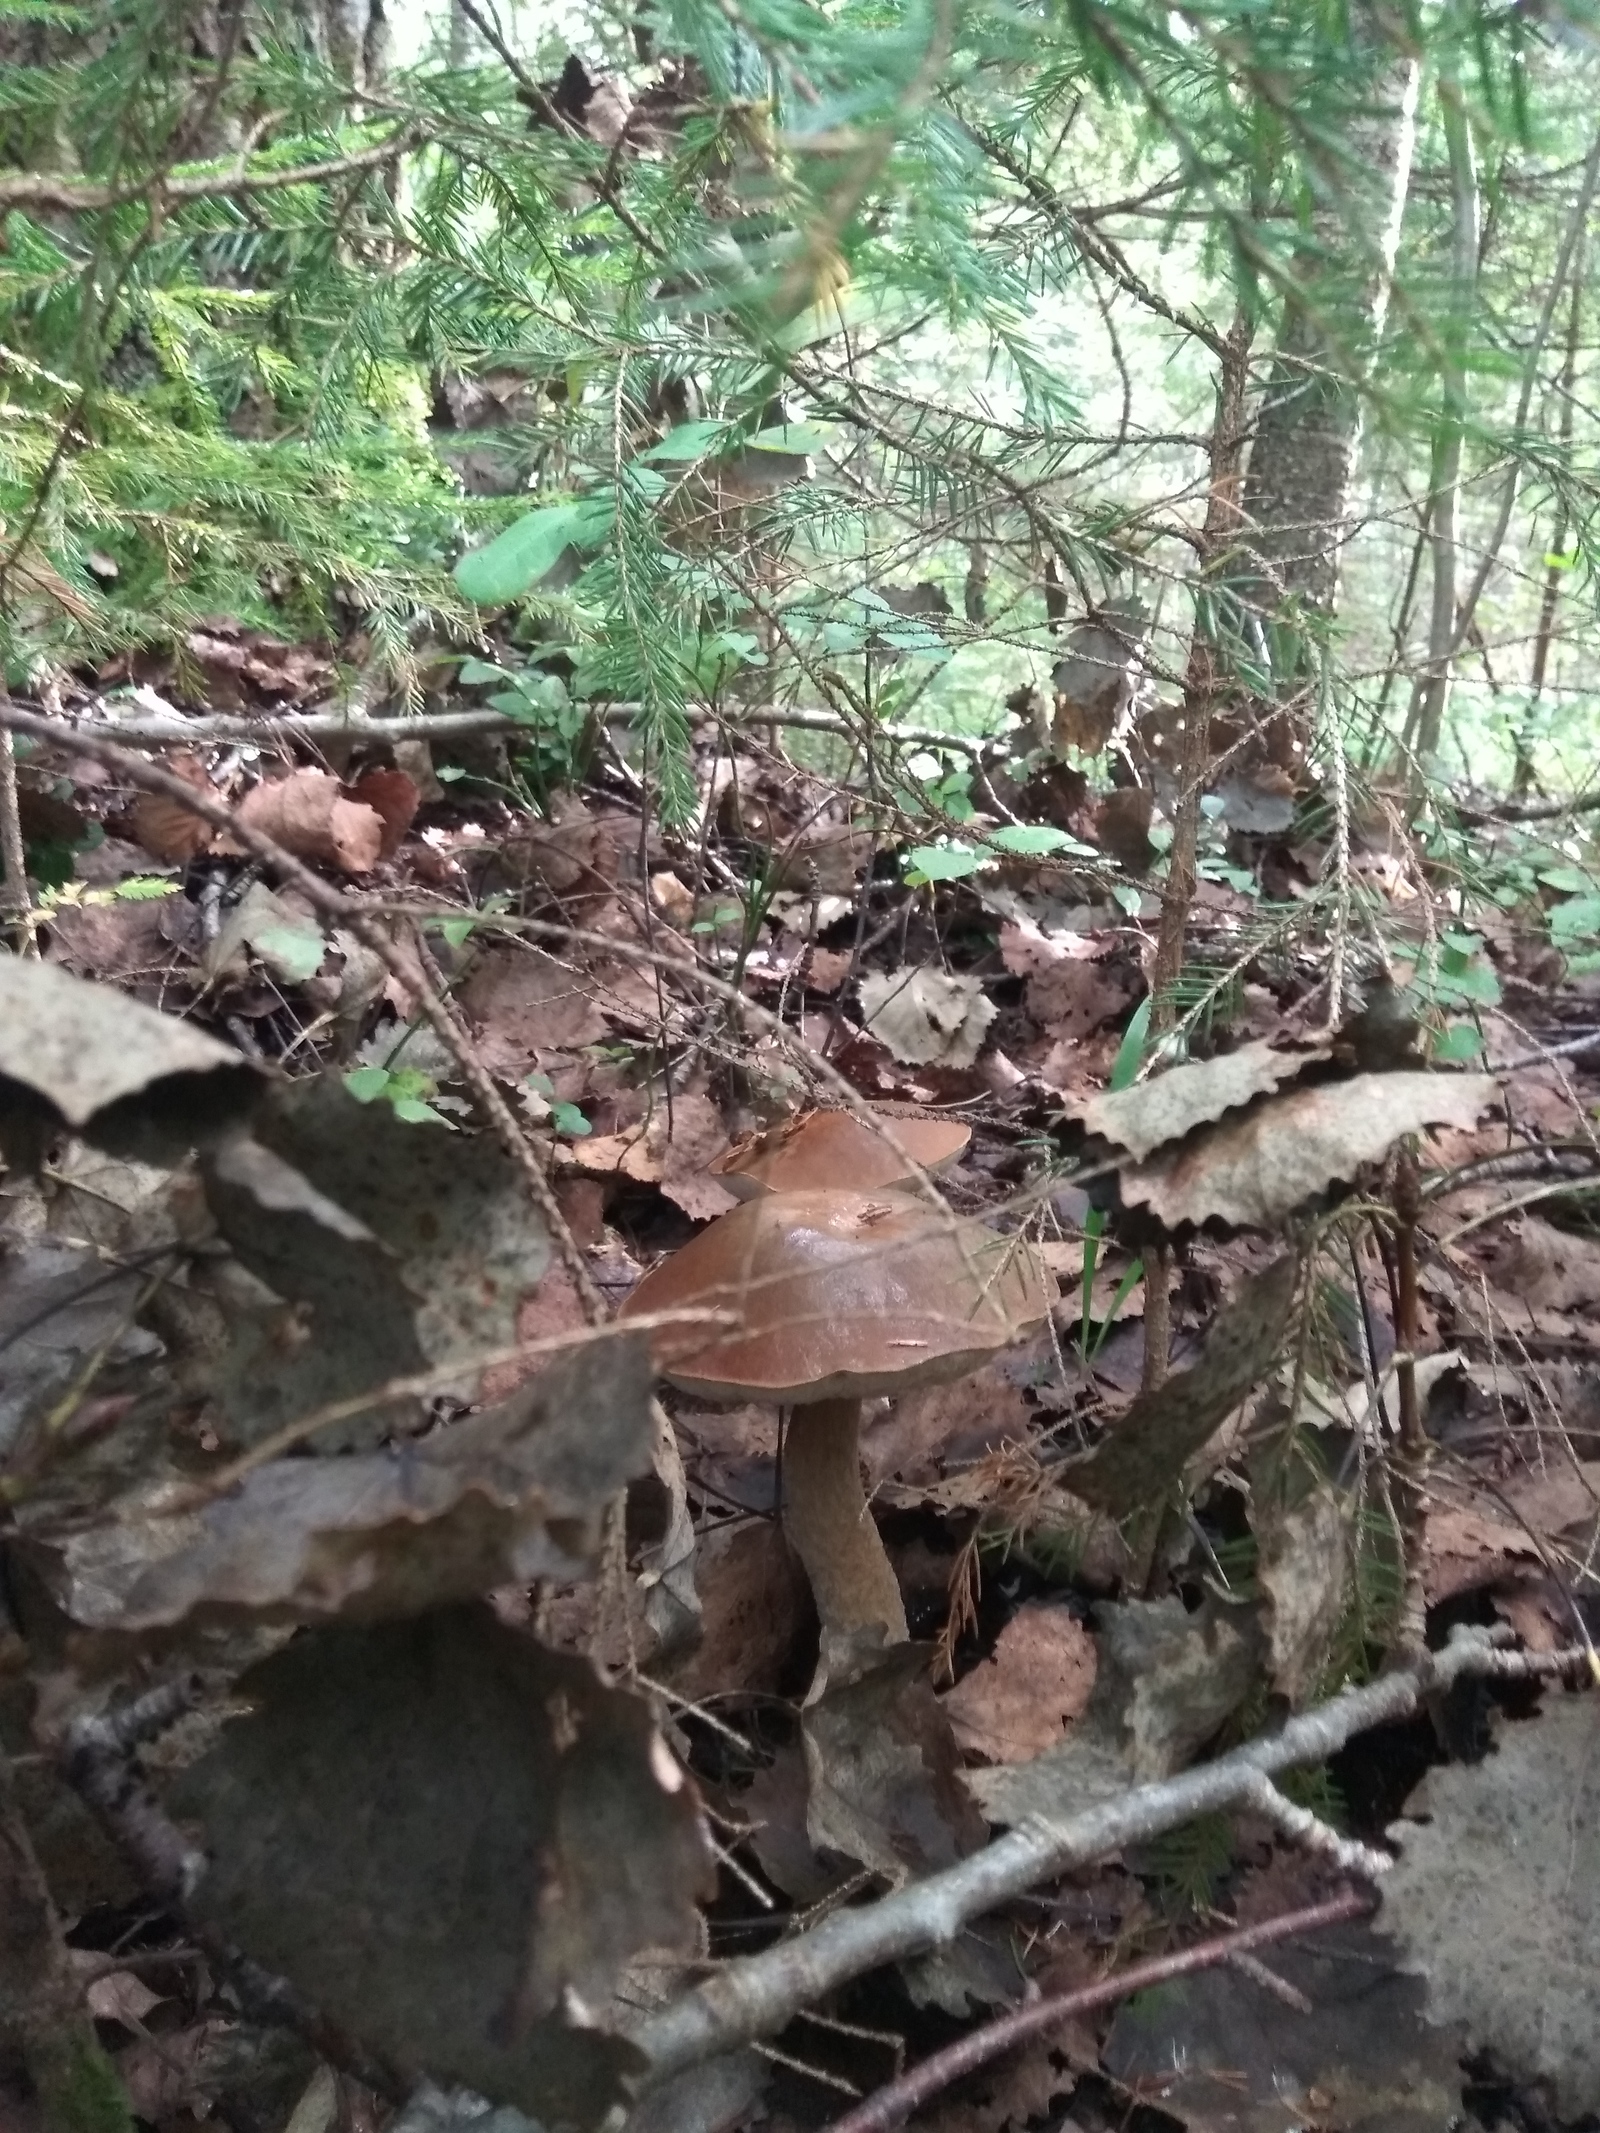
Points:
x=308, y=814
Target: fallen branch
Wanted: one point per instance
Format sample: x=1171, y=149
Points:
x=216, y=728
x=898, y=2099
x=758, y=1995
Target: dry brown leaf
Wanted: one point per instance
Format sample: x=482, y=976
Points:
x=1251, y=1173
x=1464, y=1549
x=754, y=1607
x=394, y=798
x=522, y=1003
x=1072, y=999
x=165, y=827
x=827, y=969
x=1171, y=1105
x=1122, y=824
x=1545, y=1267
x=308, y=814
x=1021, y=1701
x=1092, y=683
x=926, y=1017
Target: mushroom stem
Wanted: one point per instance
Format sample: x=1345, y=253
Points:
x=826, y=1517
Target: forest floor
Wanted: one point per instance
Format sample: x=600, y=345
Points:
x=643, y=1000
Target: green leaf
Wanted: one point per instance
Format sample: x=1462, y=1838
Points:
x=801, y=438
x=1128, y=897
x=1573, y=880
x=568, y=1119
x=1578, y=919
x=1035, y=840
x=1130, y=1052
x=540, y=1084
x=416, y=1113
x=521, y=556
x=144, y=888
x=1460, y=1043
x=475, y=673
x=690, y=440
x=367, y=1083
x=1554, y=559
x=295, y=956
x=941, y=862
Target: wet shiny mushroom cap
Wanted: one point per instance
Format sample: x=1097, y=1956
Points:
x=840, y=1295
x=835, y=1150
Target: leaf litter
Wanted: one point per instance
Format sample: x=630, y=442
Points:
x=337, y=1247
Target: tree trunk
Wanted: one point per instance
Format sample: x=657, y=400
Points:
x=1302, y=463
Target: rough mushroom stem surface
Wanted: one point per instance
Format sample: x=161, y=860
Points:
x=831, y=1528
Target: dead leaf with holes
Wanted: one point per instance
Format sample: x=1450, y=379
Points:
x=532, y=1849
x=1170, y=1105
x=926, y=1017
x=308, y=814
x=1253, y=1172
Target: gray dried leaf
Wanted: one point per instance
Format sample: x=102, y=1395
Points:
x=59, y=1303
x=1223, y=2055
x=1172, y=1104
x=881, y=1767
x=926, y=1017
x=405, y=1247
x=1146, y=1452
x=1253, y=1172
x=1496, y=1899
x=84, y=1058
x=513, y=1494
x=456, y=1844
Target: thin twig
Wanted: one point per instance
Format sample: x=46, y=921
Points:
x=896, y=2101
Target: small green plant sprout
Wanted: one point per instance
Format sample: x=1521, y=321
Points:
x=405, y=1089
x=544, y=1107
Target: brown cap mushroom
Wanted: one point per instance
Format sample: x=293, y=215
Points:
x=823, y=1150
x=840, y=1296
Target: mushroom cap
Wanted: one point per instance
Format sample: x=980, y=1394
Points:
x=840, y=1295
x=828, y=1150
